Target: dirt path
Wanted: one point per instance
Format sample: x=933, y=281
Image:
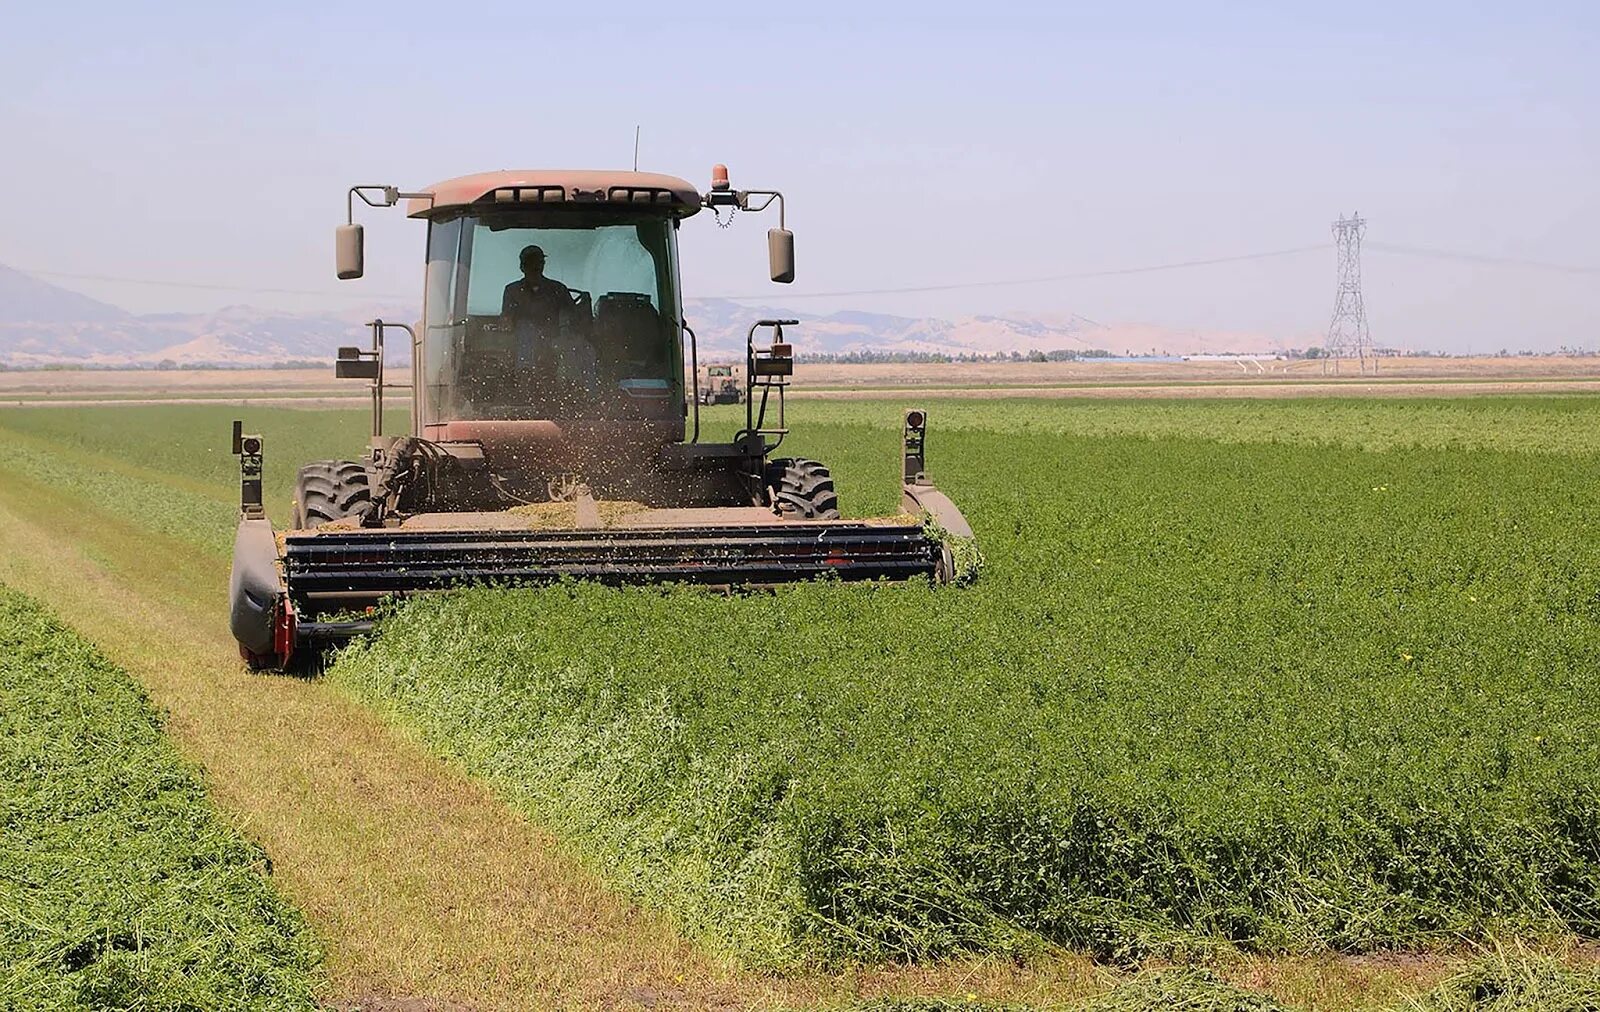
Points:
x=1262, y=389
x=285, y=401
x=420, y=882
x=1259, y=389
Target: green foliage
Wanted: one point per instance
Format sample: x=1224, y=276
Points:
x=169, y=469
x=1282, y=674
x=1528, y=423
x=1498, y=981
x=1251, y=690
x=966, y=558
x=120, y=887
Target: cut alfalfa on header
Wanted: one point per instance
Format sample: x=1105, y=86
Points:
x=964, y=560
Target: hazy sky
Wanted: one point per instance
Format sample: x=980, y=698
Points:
x=917, y=145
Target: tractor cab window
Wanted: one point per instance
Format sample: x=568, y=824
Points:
x=565, y=315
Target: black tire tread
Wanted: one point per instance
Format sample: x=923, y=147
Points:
x=804, y=487
x=328, y=490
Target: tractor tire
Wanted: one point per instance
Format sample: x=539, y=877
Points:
x=803, y=487
x=328, y=490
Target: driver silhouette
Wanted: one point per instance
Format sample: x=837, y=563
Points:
x=535, y=298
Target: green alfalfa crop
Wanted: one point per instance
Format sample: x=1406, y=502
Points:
x=120, y=885
x=1268, y=696
x=1388, y=646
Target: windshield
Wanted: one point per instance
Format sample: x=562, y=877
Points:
x=553, y=315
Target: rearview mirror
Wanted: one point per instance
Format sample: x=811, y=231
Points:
x=348, y=248
x=780, y=254
x=357, y=368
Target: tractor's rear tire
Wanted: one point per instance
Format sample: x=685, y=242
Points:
x=803, y=488
x=328, y=490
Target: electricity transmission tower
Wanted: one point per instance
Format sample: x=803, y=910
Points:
x=1347, y=332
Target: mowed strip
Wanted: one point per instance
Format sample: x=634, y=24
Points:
x=420, y=882
x=120, y=886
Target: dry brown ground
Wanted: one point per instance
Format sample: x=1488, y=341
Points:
x=1038, y=374
x=1401, y=376
x=1259, y=389
x=176, y=382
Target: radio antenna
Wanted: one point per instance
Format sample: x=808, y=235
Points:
x=636, y=147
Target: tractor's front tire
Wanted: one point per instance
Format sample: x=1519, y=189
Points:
x=803, y=488
x=327, y=490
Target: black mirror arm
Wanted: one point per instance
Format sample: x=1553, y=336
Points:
x=770, y=195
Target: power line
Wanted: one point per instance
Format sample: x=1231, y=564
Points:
x=1477, y=258
x=210, y=287
x=909, y=290
x=1011, y=282
x=1415, y=251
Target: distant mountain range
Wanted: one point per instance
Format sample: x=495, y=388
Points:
x=44, y=324
x=24, y=299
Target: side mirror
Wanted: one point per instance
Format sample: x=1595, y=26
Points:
x=780, y=254
x=348, y=248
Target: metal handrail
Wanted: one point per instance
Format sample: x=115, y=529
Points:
x=752, y=422
x=378, y=385
x=694, y=370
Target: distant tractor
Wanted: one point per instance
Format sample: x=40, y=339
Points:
x=721, y=383
x=551, y=434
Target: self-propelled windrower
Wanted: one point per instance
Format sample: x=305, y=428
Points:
x=555, y=428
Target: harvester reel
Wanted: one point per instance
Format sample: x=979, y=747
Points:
x=327, y=490
x=802, y=487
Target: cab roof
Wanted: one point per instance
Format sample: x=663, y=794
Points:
x=560, y=187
